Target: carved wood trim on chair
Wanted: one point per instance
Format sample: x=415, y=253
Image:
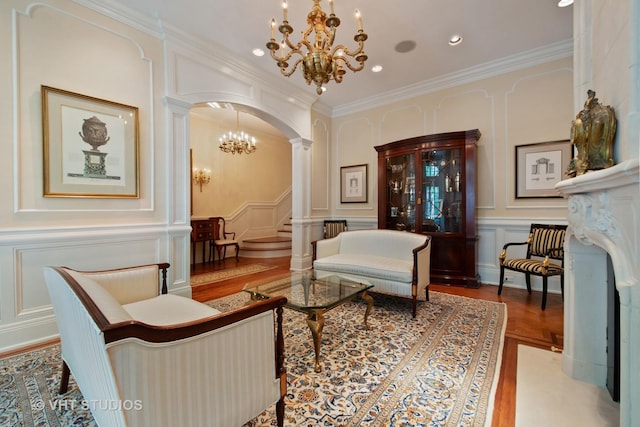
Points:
x=414, y=279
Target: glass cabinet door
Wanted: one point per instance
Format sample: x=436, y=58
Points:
x=442, y=191
x=401, y=193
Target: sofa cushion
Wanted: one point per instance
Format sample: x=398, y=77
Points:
x=129, y=285
x=368, y=266
x=107, y=304
x=168, y=309
x=382, y=243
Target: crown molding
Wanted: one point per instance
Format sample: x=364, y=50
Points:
x=127, y=16
x=529, y=58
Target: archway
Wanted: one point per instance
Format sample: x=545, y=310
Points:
x=178, y=131
x=252, y=191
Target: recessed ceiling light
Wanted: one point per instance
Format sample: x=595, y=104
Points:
x=258, y=52
x=455, y=40
x=376, y=68
x=565, y=3
x=405, y=46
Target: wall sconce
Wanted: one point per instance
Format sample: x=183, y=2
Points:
x=201, y=176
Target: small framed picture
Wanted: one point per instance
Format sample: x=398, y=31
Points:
x=90, y=146
x=353, y=184
x=539, y=167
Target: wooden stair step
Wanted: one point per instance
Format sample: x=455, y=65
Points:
x=271, y=239
x=266, y=247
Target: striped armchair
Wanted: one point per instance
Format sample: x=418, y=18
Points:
x=545, y=243
x=333, y=227
x=152, y=358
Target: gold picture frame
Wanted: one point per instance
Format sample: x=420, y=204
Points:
x=539, y=167
x=353, y=184
x=90, y=146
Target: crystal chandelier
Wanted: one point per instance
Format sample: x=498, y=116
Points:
x=319, y=59
x=237, y=142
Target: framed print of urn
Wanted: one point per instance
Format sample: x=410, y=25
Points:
x=90, y=146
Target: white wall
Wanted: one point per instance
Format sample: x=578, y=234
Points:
x=62, y=44
x=65, y=46
x=262, y=176
x=251, y=191
x=526, y=106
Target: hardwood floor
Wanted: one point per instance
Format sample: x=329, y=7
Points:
x=526, y=323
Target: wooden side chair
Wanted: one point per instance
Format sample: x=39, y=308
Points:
x=333, y=227
x=221, y=239
x=545, y=243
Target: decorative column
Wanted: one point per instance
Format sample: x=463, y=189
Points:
x=301, y=252
x=177, y=182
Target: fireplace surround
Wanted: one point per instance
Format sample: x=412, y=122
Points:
x=604, y=219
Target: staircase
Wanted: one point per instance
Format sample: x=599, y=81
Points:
x=268, y=247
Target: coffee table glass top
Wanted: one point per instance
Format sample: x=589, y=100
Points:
x=304, y=292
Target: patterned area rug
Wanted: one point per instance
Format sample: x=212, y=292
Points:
x=29, y=392
x=228, y=273
x=440, y=369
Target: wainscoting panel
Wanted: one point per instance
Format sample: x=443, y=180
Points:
x=93, y=254
x=26, y=315
x=260, y=219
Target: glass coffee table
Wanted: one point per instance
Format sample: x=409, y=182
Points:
x=312, y=296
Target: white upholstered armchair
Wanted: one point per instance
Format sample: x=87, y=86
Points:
x=142, y=357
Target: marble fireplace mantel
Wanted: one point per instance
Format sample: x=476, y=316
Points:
x=604, y=218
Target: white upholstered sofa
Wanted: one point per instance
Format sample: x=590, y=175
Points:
x=395, y=262
x=142, y=357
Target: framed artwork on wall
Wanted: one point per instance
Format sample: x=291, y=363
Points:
x=353, y=184
x=90, y=146
x=539, y=167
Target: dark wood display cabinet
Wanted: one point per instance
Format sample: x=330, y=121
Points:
x=427, y=185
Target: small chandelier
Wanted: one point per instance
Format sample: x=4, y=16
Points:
x=321, y=61
x=237, y=142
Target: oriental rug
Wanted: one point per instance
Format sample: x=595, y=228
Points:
x=228, y=273
x=440, y=369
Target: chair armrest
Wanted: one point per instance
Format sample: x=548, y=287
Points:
x=314, y=249
x=326, y=247
x=503, y=254
x=165, y=334
x=514, y=244
x=224, y=376
x=230, y=233
x=422, y=263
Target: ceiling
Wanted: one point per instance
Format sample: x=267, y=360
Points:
x=492, y=30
